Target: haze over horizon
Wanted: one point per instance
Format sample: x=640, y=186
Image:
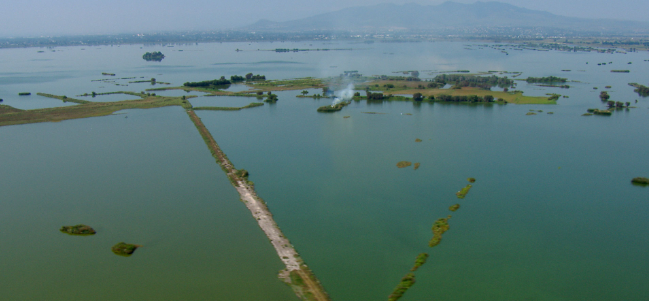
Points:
x=39, y=17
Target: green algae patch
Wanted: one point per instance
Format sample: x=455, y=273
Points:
x=78, y=230
x=462, y=193
x=418, y=140
x=124, y=249
x=454, y=207
x=421, y=259
x=471, y=180
x=439, y=227
x=640, y=181
x=530, y=113
x=406, y=282
x=403, y=164
x=417, y=165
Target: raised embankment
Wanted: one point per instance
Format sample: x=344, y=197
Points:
x=297, y=274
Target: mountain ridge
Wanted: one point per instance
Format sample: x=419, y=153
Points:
x=412, y=16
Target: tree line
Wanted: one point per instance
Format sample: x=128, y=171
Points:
x=547, y=79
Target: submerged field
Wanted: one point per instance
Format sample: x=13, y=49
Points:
x=536, y=224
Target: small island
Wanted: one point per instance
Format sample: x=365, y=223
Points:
x=124, y=249
x=78, y=230
x=332, y=108
x=640, y=181
x=156, y=56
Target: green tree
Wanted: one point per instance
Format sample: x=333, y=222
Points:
x=417, y=97
x=305, y=92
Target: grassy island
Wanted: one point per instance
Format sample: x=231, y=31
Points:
x=462, y=193
x=78, y=230
x=406, y=282
x=439, y=227
x=640, y=181
x=332, y=108
x=403, y=164
x=124, y=249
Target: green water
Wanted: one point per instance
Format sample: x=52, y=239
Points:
x=147, y=179
x=552, y=215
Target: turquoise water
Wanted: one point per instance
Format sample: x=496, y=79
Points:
x=552, y=215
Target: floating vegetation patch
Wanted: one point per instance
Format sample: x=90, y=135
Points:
x=421, y=259
x=124, y=249
x=109, y=74
x=640, y=181
x=620, y=71
x=372, y=113
x=439, y=227
x=550, y=113
x=406, y=282
x=530, y=113
x=454, y=207
x=417, y=165
x=471, y=180
x=403, y=164
x=462, y=193
x=587, y=114
x=346, y=116
x=78, y=230
x=418, y=140
x=24, y=93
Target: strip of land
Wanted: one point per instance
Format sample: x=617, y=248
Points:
x=305, y=285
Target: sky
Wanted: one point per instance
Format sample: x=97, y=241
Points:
x=68, y=17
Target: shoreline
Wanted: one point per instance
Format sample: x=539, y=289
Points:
x=309, y=287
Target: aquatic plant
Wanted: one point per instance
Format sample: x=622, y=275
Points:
x=454, y=207
x=406, y=282
x=24, y=93
x=421, y=260
x=462, y=193
x=471, y=180
x=403, y=164
x=417, y=165
x=530, y=113
x=79, y=229
x=641, y=181
x=439, y=227
x=124, y=249
x=418, y=140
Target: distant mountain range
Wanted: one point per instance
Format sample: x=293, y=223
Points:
x=447, y=15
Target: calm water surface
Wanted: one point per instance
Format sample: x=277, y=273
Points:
x=552, y=216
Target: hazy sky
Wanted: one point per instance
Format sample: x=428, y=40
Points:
x=45, y=17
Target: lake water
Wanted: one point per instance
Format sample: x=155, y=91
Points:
x=552, y=215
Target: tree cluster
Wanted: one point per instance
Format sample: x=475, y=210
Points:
x=462, y=98
x=640, y=89
x=547, y=79
x=250, y=76
x=374, y=96
x=604, y=96
x=207, y=83
x=459, y=80
x=153, y=56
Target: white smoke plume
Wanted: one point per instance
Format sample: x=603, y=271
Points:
x=345, y=95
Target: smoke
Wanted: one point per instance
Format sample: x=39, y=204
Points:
x=345, y=95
